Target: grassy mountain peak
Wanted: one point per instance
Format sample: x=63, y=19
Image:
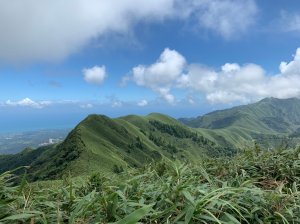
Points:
x=112, y=145
x=270, y=118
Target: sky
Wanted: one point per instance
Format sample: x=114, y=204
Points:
x=62, y=60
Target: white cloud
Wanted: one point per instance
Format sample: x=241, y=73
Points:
x=51, y=30
x=161, y=74
x=230, y=67
x=95, y=75
x=225, y=97
x=293, y=67
x=86, y=106
x=229, y=18
x=193, y=79
x=231, y=83
x=142, y=103
x=28, y=103
x=166, y=69
x=166, y=95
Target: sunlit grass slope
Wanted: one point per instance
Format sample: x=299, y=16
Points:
x=268, y=121
x=100, y=143
x=252, y=187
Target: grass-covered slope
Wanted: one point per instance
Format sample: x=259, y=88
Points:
x=100, y=143
x=112, y=145
x=252, y=187
x=269, y=115
x=24, y=158
x=268, y=121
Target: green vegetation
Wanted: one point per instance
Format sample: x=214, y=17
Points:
x=102, y=143
x=269, y=121
x=24, y=158
x=239, y=166
x=174, y=130
x=253, y=187
x=268, y=115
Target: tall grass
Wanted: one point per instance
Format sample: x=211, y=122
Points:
x=253, y=187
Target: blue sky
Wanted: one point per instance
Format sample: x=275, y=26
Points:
x=60, y=61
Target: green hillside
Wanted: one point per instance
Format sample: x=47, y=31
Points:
x=100, y=143
x=252, y=187
x=154, y=169
x=270, y=121
x=113, y=145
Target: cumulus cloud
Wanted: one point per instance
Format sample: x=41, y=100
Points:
x=160, y=75
x=231, y=83
x=166, y=95
x=28, y=103
x=95, y=75
x=167, y=68
x=51, y=30
x=244, y=83
x=142, y=103
x=293, y=67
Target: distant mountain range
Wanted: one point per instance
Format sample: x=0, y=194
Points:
x=268, y=121
x=100, y=143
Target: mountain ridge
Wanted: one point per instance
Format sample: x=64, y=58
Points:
x=101, y=143
x=255, y=108
x=261, y=121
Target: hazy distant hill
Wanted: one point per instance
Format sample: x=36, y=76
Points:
x=268, y=119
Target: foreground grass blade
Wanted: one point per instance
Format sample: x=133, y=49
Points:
x=18, y=217
x=136, y=216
